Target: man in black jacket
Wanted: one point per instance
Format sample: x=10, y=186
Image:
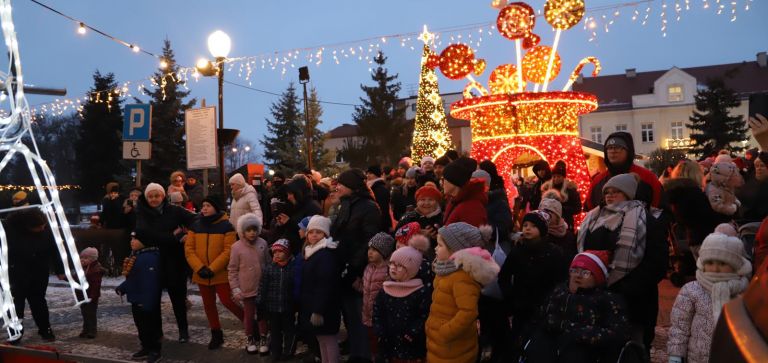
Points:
x=381, y=193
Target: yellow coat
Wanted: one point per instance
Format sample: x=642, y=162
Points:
x=210, y=245
x=451, y=329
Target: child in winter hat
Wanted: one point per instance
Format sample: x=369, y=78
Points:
x=320, y=287
x=89, y=258
x=722, y=273
x=533, y=268
x=303, y=227
x=462, y=268
x=401, y=309
x=404, y=233
x=277, y=296
x=581, y=317
x=380, y=247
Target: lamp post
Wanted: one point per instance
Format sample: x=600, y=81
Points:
x=219, y=45
x=237, y=155
x=304, y=79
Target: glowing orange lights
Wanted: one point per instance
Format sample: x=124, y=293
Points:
x=516, y=21
x=430, y=128
x=535, y=64
x=563, y=14
x=503, y=79
x=457, y=61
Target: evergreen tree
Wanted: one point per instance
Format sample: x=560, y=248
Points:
x=56, y=138
x=712, y=127
x=168, y=106
x=320, y=156
x=99, y=150
x=284, y=134
x=381, y=124
x=430, y=127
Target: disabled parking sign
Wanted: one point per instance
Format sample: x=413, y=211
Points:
x=137, y=122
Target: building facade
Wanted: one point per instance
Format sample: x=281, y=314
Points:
x=655, y=106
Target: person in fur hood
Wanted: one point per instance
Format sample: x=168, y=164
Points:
x=724, y=180
x=462, y=267
x=569, y=193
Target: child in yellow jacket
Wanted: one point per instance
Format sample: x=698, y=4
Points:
x=461, y=269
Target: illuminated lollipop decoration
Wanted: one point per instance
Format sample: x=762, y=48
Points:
x=562, y=15
x=458, y=61
x=503, y=79
x=535, y=64
x=516, y=22
x=579, y=67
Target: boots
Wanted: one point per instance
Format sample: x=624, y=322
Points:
x=217, y=339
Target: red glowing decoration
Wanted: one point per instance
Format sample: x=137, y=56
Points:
x=457, y=61
x=544, y=125
x=433, y=61
x=480, y=66
x=516, y=20
x=535, y=64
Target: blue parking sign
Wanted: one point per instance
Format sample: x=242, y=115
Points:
x=137, y=122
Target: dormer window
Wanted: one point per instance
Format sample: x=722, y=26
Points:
x=675, y=93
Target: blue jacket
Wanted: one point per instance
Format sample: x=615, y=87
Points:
x=142, y=285
x=320, y=287
x=276, y=291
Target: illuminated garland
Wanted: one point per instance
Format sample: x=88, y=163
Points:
x=30, y=188
x=430, y=128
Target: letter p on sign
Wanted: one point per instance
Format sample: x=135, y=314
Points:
x=137, y=122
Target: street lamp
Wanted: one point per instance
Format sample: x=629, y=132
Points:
x=219, y=44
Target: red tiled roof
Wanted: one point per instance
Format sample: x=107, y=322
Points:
x=614, y=92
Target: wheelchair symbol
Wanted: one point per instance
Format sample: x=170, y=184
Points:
x=135, y=151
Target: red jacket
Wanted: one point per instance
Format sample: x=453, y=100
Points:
x=468, y=206
x=647, y=177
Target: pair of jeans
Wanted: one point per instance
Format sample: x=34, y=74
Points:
x=149, y=325
x=282, y=327
x=88, y=311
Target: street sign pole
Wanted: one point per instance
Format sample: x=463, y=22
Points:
x=138, y=173
x=137, y=131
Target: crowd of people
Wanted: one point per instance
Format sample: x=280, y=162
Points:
x=444, y=261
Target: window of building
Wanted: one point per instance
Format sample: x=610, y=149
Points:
x=675, y=93
x=622, y=127
x=676, y=131
x=646, y=132
x=339, y=156
x=596, y=134
x=413, y=107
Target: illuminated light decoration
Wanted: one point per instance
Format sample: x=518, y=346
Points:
x=457, y=61
x=563, y=14
x=516, y=21
x=81, y=29
x=480, y=65
x=31, y=188
x=579, y=67
x=431, y=136
x=13, y=128
x=535, y=64
x=498, y=4
x=474, y=85
x=507, y=126
x=503, y=80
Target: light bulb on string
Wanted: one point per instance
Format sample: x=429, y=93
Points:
x=81, y=29
x=163, y=64
x=135, y=48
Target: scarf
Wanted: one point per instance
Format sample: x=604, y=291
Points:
x=402, y=288
x=310, y=250
x=443, y=268
x=434, y=213
x=630, y=217
x=721, y=287
x=558, y=230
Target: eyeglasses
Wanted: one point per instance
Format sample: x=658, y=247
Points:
x=396, y=266
x=581, y=272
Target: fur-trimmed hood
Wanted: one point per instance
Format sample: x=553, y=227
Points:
x=248, y=219
x=567, y=184
x=478, y=263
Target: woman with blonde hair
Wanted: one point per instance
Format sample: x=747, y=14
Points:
x=688, y=169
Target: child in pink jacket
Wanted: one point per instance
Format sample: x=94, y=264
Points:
x=380, y=247
x=245, y=264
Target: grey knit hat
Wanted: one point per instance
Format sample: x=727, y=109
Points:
x=384, y=243
x=458, y=236
x=482, y=175
x=626, y=183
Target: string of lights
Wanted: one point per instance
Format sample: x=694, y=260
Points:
x=596, y=18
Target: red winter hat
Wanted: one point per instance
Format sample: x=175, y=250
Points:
x=429, y=192
x=595, y=262
x=404, y=233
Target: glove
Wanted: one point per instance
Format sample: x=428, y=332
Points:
x=205, y=272
x=237, y=294
x=118, y=291
x=675, y=359
x=316, y=319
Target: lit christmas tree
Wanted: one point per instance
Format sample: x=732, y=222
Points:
x=430, y=128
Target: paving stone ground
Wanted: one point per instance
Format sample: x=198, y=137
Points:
x=117, y=338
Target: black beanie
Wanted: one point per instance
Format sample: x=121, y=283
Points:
x=452, y=155
x=459, y=171
x=540, y=219
x=353, y=179
x=214, y=201
x=560, y=169
x=442, y=161
x=375, y=170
